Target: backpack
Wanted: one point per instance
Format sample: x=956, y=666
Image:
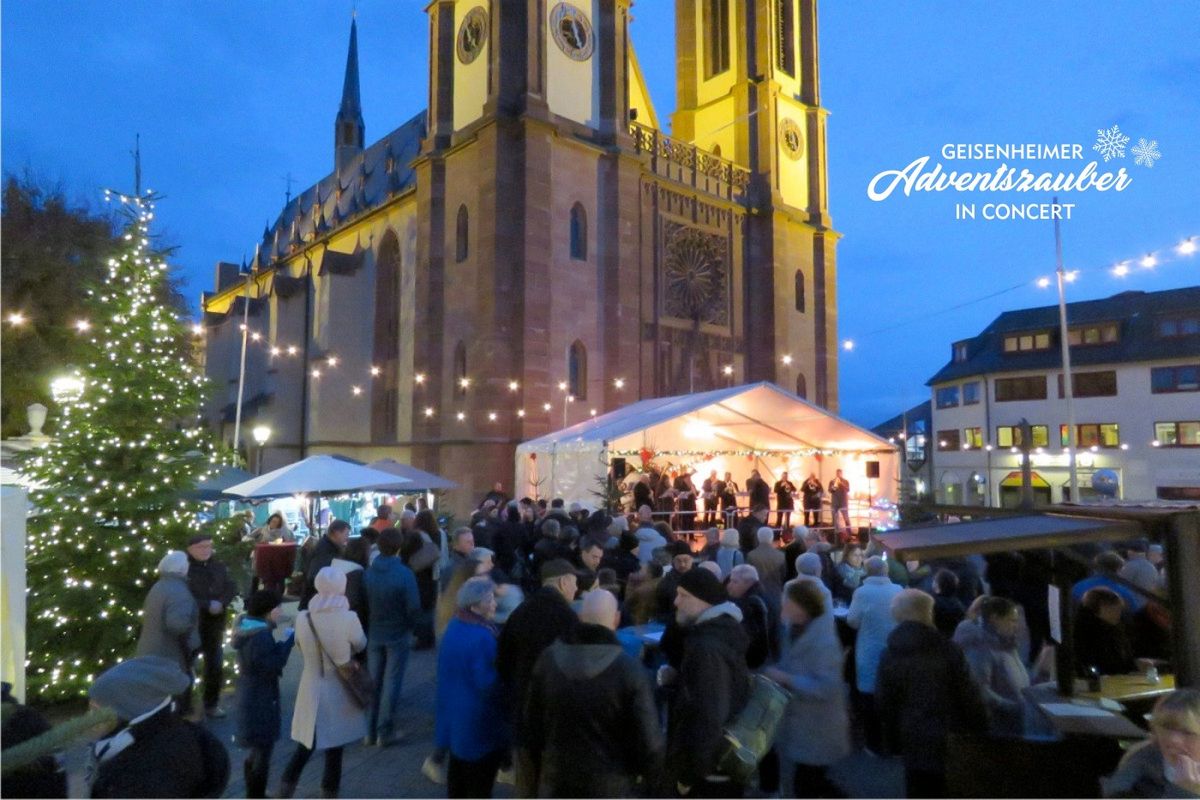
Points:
x=750, y=735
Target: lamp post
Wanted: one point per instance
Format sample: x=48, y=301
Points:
x=261, y=434
x=1068, y=382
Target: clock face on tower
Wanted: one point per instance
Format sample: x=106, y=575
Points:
x=791, y=138
x=472, y=34
x=572, y=31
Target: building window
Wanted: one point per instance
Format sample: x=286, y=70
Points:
x=1090, y=384
x=579, y=233
x=800, y=291
x=959, y=352
x=1103, y=434
x=460, y=369
x=1025, y=342
x=972, y=439
x=948, y=440
x=461, y=229
x=947, y=397
x=1164, y=380
x=785, y=13
x=1010, y=436
x=1103, y=333
x=970, y=393
x=801, y=386
x=1177, y=434
x=385, y=393
x=716, y=37
x=577, y=370
x=1182, y=325
x=1031, y=388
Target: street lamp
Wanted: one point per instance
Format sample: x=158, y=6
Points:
x=261, y=434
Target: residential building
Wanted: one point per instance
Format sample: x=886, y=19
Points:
x=1135, y=363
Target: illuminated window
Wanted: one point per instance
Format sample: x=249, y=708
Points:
x=1104, y=434
x=972, y=438
x=1177, y=434
x=1010, y=436
x=1104, y=333
x=1026, y=342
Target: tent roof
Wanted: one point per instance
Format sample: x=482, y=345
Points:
x=758, y=416
x=1004, y=534
x=420, y=479
x=324, y=474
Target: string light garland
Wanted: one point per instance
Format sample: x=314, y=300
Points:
x=106, y=494
x=1121, y=269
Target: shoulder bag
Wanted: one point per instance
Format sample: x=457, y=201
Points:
x=353, y=676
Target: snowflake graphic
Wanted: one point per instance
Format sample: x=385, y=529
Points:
x=1111, y=143
x=1146, y=153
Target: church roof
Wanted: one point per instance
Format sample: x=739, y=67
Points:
x=380, y=172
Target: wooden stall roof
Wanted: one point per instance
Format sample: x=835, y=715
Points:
x=1004, y=534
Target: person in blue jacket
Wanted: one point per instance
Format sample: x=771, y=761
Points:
x=261, y=659
x=470, y=717
x=395, y=606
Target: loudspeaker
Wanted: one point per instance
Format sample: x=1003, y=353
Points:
x=618, y=469
x=872, y=469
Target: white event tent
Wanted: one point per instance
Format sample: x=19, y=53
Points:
x=755, y=426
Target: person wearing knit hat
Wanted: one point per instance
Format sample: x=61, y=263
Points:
x=152, y=751
x=261, y=659
x=170, y=616
x=328, y=633
x=709, y=688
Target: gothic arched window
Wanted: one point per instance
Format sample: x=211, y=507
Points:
x=801, y=387
x=460, y=368
x=461, y=229
x=385, y=392
x=800, y=291
x=577, y=370
x=579, y=233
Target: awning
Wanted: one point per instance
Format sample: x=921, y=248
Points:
x=419, y=480
x=1004, y=534
x=1013, y=479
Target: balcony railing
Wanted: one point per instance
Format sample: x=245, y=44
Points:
x=690, y=165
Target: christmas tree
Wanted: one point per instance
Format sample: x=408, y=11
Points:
x=108, y=505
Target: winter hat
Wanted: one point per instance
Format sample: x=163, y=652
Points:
x=556, y=568
x=137, y=685
x=330, y=581
x=703, y=585
x=679, y=548
x=198, y=538
x=809, y=564
x=263, y=602
x=174, y=562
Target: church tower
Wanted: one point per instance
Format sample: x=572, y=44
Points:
x=527, y=225
x=748, y=89
x=349, y=131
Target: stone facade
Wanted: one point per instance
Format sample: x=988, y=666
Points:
x=534, y=230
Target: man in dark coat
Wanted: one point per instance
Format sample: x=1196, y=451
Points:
x=591, y=725
x=329, y=548
x=785, y=500
x=748, y=527
x=760, y=619
x=924, y=693
x=682, y=561
x=210, y=584
x=708, y=690
x=161, y=754
x=531, y=628
x=760, y=491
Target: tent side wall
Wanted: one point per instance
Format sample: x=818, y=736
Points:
x=572, y=471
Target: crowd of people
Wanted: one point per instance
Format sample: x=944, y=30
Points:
x=589, y=654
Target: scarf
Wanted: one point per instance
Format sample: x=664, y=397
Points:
x=471, y=618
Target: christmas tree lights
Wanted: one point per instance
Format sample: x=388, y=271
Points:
x=107, y=505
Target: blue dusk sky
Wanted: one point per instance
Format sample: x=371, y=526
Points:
x=229, y=98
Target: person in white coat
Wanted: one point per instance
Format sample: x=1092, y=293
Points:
x=870, y=614
x=326, y=717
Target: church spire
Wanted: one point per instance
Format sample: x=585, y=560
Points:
x=349, y=130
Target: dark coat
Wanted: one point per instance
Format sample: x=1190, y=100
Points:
x=322, y=556
x=169, y=757
x=393, y=600
x=209, y=580
x=1101, y=645
x=712, y=686
x=642, y=495
x=45, y=777
x=760, y=625
x=948, y=611
x=924, y=693
x=748, y=533
x=530, y=629
x=621, y=561
x=811, y=491
x=591, y=724
x=760, y=492
x=783, y=495
x=261, y=660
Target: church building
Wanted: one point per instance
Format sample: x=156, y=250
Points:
x=533, y=249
